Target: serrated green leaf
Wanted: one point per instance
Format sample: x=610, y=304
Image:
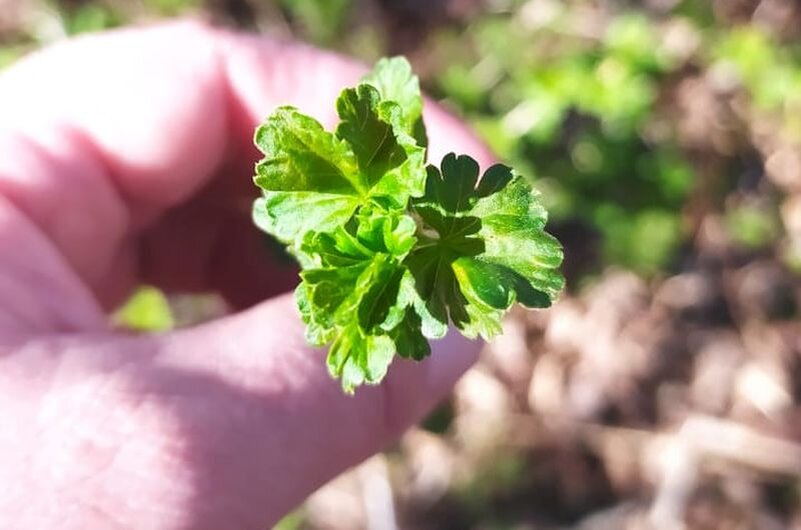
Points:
x=289, y=216
x=408, y=337
x=391, y=233
x=454, y=188
x=376, y=232
x=313, y=180
x=392, y=251
x=352, y=295
x=409, y=297
x=310, y=179
x=339, y=295
x=302, y=156
x=513, y=231
x=357, y=358
x=379, y=296
x=369, y=132
x=481, y=321
x=317, y=334
x=396, y=82
x=391, y=161
x=488, y=250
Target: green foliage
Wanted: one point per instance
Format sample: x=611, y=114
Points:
x=752, y=226
x=88, y=18
x=791, y=256
x=393, y=250
x=572, y=110
x=770, y=74
x=293, y=521
x=8, y=55
x=321, y=20
x=701, y=12
x=502, y=475
x=642, y=242
x=170, y=7
x=588, y=104
x=147, y=310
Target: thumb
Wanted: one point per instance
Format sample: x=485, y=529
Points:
x=271, y=425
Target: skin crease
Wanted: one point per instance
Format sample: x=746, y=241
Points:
x=127, y=158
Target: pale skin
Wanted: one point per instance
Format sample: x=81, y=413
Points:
x=127, y=158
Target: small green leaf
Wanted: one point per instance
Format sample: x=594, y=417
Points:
x=453, y=189
x=396, y=82
x=353, y=294
x=370, y=134
x=309, y=177
x=313, y=180
x=393, y=251
x=358, y=358
x=379, y=297
x=489, y=248
x=512, y=228
x=408, y=337
x=302, y=156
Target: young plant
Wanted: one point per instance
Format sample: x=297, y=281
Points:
x=392, y=249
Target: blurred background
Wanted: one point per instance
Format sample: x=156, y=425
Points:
x=664, y=389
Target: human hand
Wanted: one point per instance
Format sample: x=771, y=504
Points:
x=127, y=158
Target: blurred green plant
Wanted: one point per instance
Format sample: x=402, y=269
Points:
x=752, y=226
x=569, y=104
x=321, y=21
x=791, y=255
x=9, y=54
x=88, y=18
x=171, y=7
x=701, y=12
x=769, y=73
x=147, y=310
x=293, y=521
x=577, y=97
x=501, y=476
